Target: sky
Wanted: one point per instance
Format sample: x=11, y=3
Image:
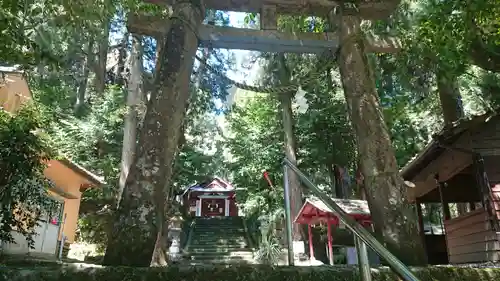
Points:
x=236, y=19
x=239, y=74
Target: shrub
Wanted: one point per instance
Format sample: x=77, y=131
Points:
x=23, y=188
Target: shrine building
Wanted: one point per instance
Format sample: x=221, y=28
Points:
x=212, y=198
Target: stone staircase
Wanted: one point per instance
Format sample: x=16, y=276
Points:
x=218, y=240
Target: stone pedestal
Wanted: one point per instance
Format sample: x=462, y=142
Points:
x=174, y=251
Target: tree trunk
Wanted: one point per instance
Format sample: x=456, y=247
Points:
x=120, y=66
x=102, y=57
x=451, y=104
x=333, y=178
x=83, y=80
x=140, y=218
x=134, y=100
x=290, y=148
x=451, y=100
x=484, y=57
x=394, y=218
x=340, y=189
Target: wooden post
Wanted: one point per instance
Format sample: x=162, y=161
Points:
x=330, y=244
x=472, y=206
x=311, y=247
x=421, y=226
x=444, y=205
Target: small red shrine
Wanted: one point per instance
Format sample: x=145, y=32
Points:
x=314, y=212
x=211, y=198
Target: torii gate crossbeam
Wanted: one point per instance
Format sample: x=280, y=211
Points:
x=259, y=40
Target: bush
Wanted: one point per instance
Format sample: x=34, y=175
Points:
x=23, y=188
x=238, y=273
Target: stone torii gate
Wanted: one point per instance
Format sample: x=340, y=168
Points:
x=268, y=39
x=180, y=35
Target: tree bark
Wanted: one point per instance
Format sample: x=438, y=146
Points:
x=451, y=104
x=394, y=218
x=83, y=80
x=134, y=100
x=290, y=147
x=483, y=57
x=451, y=100
x=102, y=57
x=140, y=218
x=120, y=75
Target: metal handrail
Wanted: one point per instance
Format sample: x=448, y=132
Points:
x=360, y=232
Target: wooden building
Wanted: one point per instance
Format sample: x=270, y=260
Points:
x=212, y=198
x=315, y=212
x=460, y=172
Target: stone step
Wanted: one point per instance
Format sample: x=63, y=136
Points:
x=225, y=232
x=219, y=240
x=244, y=254
x=217, y=235
x=218, y=229
x=218, y=246
x=203, y=244
x=219, y=258
x=204, y=263
x=222, y=251
x=214, y=222
x=235, y=238
x=208, y=243
x=218, y=225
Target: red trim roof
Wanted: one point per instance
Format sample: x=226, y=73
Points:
x=216, y=184
x=314, y=211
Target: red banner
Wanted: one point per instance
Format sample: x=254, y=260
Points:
x=266, y=176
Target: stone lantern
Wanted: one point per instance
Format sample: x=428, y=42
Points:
x=174, y=235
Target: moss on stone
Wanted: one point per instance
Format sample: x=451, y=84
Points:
x=236, y=273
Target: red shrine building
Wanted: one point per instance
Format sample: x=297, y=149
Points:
x=212, y=198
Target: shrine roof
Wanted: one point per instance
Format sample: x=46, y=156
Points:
x=447, y=136
x=214, y=184
x=314, y=208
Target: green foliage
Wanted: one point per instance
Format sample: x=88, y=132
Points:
x=241, y=273
x=23, y=188
x=270, y=249
x=255, y=143
x=93, y=140
x=36, y=32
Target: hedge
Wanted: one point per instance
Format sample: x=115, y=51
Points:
x=236, y=273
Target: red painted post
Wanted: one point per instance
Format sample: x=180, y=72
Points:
x=311, y=248
x=330, y=246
